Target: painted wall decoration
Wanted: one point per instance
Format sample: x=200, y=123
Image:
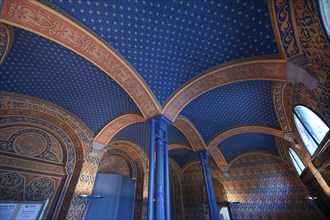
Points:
x=115, y=164
x=57, y=138
x=266, y=188
x=192, y=179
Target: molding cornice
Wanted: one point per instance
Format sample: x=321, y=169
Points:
x=274, y=70
x=47, y=22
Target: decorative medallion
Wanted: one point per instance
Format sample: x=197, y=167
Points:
x=30, y=144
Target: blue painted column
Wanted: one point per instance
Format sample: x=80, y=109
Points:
x=151, y=171
x=204, y=156
x=159, y=135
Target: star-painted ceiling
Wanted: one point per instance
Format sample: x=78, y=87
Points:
x=41, y=68
x=170, y=42
x=247, y=142
x=247, y=102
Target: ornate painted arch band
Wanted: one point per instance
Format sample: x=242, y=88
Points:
x=190, y=131
x=274, y=70
x=6, y=40
x=178, y=146
x=58, y=27
x=216, y=153
x=114, y=126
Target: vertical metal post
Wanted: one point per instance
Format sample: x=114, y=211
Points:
x=160, y=200
x=167, y=182
x=151, y=171
x=208, y=185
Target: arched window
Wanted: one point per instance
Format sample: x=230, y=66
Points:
x=298, y=164
x=310, y=127
x=324, y=6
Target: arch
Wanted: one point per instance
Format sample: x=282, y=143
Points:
x=178, y=146
x=117, y=163
x=254, y=153
x=48, y=22
x=20, y=109
x=225, y=74
x=175, y=175
x=311, y=128
x=243, y=129
x=216, y=153
x=190, y=131
x=114, y=126
x=6, y=40
x=134, y=153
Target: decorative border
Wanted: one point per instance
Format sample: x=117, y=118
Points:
x=218, y=157
x=190, y=131
x=284, y=28
x=114, y=126
x=249, y=70
x=45, y=21
x=278, y=99
x=243, y=129
x=175, y=175
x=6, y=40
x=178, y=146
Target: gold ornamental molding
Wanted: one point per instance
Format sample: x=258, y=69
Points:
x=190, y=131
x=178, y=146
x=274, y=70
x=116, y=125
x=42, y=20
x=6, y=40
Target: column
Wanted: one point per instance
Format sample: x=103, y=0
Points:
x=159, y=139
x=204, y=156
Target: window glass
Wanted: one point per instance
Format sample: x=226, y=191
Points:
x=310, y=127
x=316, y=127
x=325, y=14
x=298, y=164
x=306, y=138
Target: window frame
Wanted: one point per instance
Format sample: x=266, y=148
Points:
x=296, y=161
x=309, y=133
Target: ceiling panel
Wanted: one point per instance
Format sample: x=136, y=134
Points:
x=247, y=142
x=169, y=42
x=41, y=68
x=241, y=103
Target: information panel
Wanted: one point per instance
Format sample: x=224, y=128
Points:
x=12, y=210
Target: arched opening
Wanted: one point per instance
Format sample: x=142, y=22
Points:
x=297, y=162
x=311, y=128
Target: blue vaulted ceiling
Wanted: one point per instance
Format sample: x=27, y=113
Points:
x=243, y=143
x=241, y=103
x=41, y=68
x=169, y=42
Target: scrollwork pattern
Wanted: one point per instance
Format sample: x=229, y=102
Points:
x=286, y=28
x=40, y=189
x=11, y=185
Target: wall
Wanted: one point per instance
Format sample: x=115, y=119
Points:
x=266, y=188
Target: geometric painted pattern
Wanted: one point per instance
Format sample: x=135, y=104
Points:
x=170, y=42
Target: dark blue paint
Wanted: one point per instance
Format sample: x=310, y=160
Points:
x=242, y=143
x=248, y=102
x=170, y=42
x=41, y=68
